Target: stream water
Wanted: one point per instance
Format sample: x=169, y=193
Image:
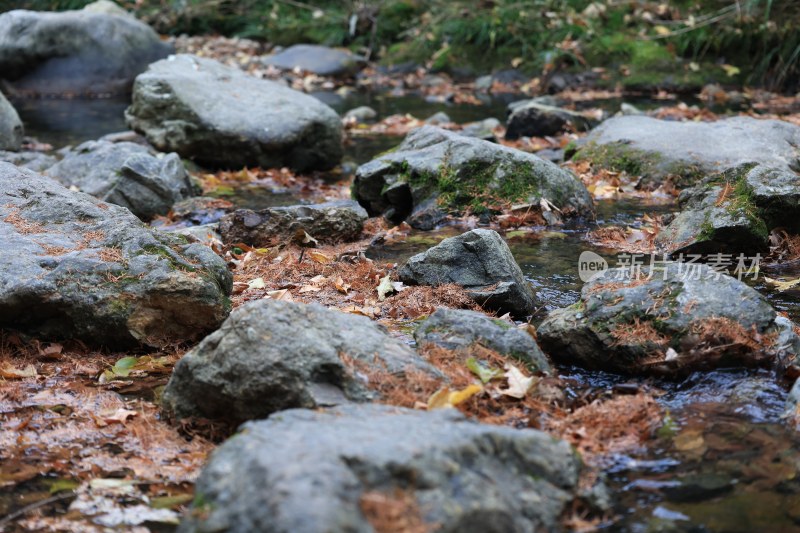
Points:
x=723, y=462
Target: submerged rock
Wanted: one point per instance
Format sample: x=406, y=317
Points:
x=686, y=152
x=457, y=329
x=733, y=212
x=461, y=173
x=303, y=470
x=531, y=118
x=82, y=52
x=84, y=269
x=686, y=317
x=11, y=130
x=316, y=59
x=361, y=115
x=481, y=262
x=337, y=221
x=126, y=174
x=221, y=117
x=271, y=355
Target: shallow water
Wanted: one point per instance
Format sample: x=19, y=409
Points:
x=724, y=462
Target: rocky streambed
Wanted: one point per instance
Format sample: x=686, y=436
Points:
x=249, y=313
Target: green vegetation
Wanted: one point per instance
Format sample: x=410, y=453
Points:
x=678, y=43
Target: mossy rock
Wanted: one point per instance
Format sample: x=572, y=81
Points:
x=463, y=174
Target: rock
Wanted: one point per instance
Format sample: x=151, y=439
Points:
x=463, y=172
x=483, y=129
x=480, y=261
x=87, y=52
x=792, y=409
x=36, y=161
x=734, y=211
x=529, y=118
x=438, y=118
x=303, y=470
x=660, y=149
x=198, y=211
x=484, y=83
x=685, y=318
x=221, y=117
x=85, y=269
x=126, y=174
x=11, y=130
x=361, y=115
x=207, y=234
x=337, y=221
x=629, y=109
x=316, y=59
x=457, y=329
x=272, y=355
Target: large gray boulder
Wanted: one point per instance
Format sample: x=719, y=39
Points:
x=734, y=211
x=531, y=118
x=272, y=355
x=686, y=317
x=337, y=221
x=126, y=174
x=481, y=262
x=74, y=52
x=11, y=130
x=76, y=267
x=688, y=151
x=221, y=117
x=304, y=470
x=458, y=173
x=459, y=329
x=316, y=59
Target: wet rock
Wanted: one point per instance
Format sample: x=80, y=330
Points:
x=682, y=151
x=126, y=174
x=361, y=115
x=198, y=211
x=685, y=318
x=221, y=117
x=85, y=269
x=438, y=119
x=479, y=261
x=316, y=59
x=11, y=130
x=303, y=470
x=271, y=355
x=483, y=129
x=463, y=172
x=733, y=212
x=83, y=52
x=337, y=221
x=36, y=161
x=529, y=118
x=457, y=329
x=792, y=412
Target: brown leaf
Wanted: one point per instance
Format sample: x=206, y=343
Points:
x=9, y=372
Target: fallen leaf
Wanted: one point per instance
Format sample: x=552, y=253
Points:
x=9, y=372
x=309, y=288
x=319, y=257
x=257, y=283
x=518, y=383
x=444, y=397
x=341, y=286
x=385, y=287
x=782, y=286
x=484, y=373
x=53, y=351
x=282, y=294
x=121, y=415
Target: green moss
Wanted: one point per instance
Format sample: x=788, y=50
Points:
x=174, y=262
x=619, y=157
x=504, y=324
x=706, y=230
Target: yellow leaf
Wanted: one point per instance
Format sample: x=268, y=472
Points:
x=444, y=397
x=341, y=286
x=731, y=70
x=662, y=30
x=9, y=372
x=782, y=286
x=319, y=257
